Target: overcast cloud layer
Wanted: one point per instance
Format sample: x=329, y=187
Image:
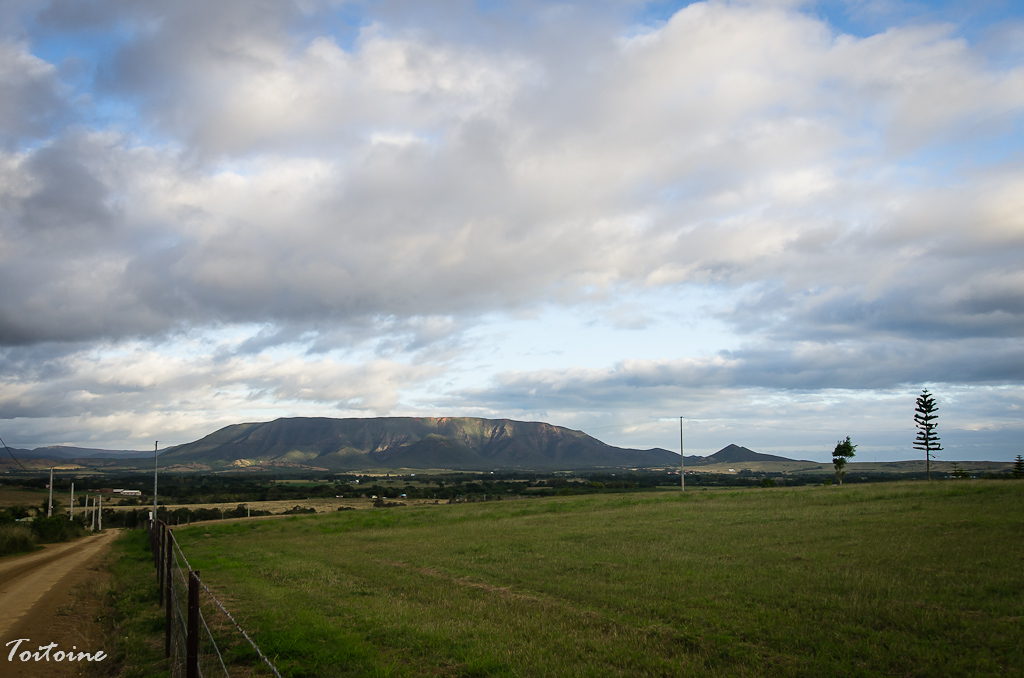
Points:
x=779, y=219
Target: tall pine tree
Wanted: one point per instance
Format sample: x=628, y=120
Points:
x=925, y=420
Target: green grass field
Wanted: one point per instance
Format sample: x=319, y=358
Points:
x=907, y=579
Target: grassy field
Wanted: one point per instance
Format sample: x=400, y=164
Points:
x=21, y=496
x=908, y=579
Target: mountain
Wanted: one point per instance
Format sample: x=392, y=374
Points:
x=66, y=452
x=461, y=443
x=732, y=454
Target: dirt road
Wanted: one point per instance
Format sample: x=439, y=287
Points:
x=34, y=596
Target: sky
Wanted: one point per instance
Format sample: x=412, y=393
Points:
x=780, y=220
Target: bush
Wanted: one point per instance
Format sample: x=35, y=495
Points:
x=244, y=512
x=54, y=528
x=16, y=538
x=298, y=510
x=377, y=503
x=16, y=512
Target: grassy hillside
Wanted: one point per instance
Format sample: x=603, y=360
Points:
x=909, y=579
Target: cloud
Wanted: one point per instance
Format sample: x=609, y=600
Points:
x=447, y=180
x=804, y=367
x=736, y=398
x=240, y=83
x=362, y=188
x=189, y=392
x=32, y=99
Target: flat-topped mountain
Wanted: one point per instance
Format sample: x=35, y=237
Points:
x=462, y=443
x=458, y=443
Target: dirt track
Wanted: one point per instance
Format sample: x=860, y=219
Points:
x=34, y=590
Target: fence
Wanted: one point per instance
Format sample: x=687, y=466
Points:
x=202, y=639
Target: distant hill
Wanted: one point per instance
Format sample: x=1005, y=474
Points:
x=460, y=443
x=66, y=452
x=733, y=454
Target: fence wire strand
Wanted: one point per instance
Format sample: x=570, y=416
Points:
x=177, y=591
x=240, y=629
x=213, y=642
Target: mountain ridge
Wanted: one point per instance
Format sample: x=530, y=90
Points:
x=70, y=452
x=348, y=444
x=458, y=443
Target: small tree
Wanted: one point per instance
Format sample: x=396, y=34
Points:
x=924, y=419
x=844, y=450
x=1018, y=467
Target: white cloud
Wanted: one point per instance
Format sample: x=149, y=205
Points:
x=385, y=189
x=189, y=386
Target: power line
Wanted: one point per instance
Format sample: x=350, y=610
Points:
x=12, y=454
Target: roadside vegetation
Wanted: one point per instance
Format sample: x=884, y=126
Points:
x=16, y=539
x=133, y=621
x=18, y=534
x=910, y=579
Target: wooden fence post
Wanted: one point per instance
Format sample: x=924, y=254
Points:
x=192, y=639
x=159, y=562
x=169, y=594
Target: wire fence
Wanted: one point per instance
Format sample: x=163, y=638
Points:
x=202, y=639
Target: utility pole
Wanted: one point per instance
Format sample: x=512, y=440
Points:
x=49, y=507
x=71, y=511
x=156, y=446
x=682, y=462
x=99, y=512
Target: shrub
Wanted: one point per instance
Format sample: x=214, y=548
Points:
x=298, y=510
x=17, y=512
x=377, y=503
x=54, y=528
x=16, y=538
